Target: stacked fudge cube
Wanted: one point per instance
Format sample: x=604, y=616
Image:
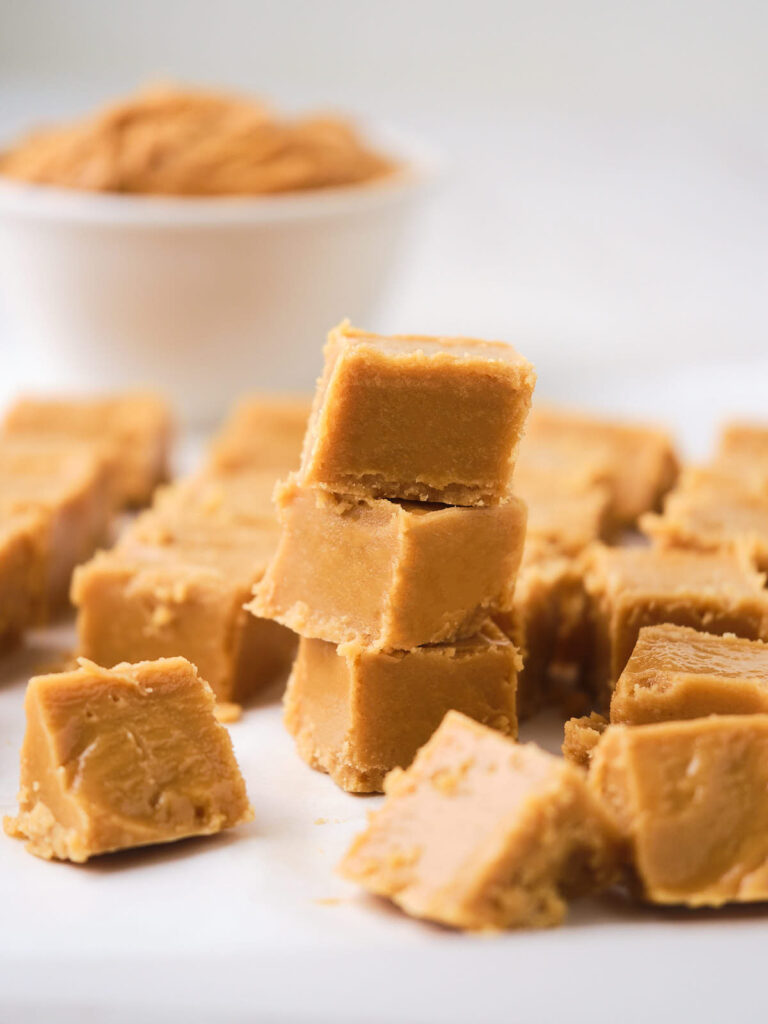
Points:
x=400, y=539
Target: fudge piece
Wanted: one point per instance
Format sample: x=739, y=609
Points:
x=66, y=488
x=238, y=498
x=483, y=833
x=179, y=589
x=356, y=713
x=691, y=800
x=21, y=538
x=640, y=461
x=263, y=432
x=628, y=588
x=132, y=429
x=124, y=757
x=581, y=736
x=560, y=522
x=677, y=673
x=707, y=521
x=390, y=574
x=743, y=449
x=431, y=419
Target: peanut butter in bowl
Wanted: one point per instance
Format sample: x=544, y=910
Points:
x=169, y=141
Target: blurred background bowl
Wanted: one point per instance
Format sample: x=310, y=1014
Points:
x=200, y=298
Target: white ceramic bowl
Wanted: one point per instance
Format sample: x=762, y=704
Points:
x=201, y=298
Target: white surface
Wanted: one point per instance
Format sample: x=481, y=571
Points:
x=253, y=925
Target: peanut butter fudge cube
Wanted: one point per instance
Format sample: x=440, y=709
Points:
x=21, y=538
x=240, y=498
x=679, y=673
x=392, y=575
x=638, y=461
x=483, y=833
x=356, y=713
x=632, y=587
x=66, y=488
x=125, y=757
x=702, y=520
x=134, y=431
x=743, y=450
x=163, y=593
x=430, y=419
x=581, y=737
x=691, y=800
x=263, y=432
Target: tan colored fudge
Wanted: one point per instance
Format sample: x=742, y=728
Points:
x=66, y=488
x=357, y=713
x=629, y=588
x=21, y=539
x=483, y=833
x=263, y=432
x=125, y=757
x=581, y=737
x=743, y=450
x=428, y=419
x=176, y=585
x=637, y=462
x=392, y=575
x=133, y=430
x=691, y=800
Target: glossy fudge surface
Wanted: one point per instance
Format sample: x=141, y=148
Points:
x=679, y=673
x=691, y=800
x=429, y=419
x=357, y=713
x=392, y=575
x=133, y=430
x=122, y=758
x=483, y=833
x=629, y=588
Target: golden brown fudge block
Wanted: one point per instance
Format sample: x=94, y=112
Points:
x=678, y=673
x=21, y=539
x=561, y=523
x=691, y=800
x=178, y=588
x=581, y=737
x=125, y=757
x=393, y=575
x=706, y=521
x=743, y=450
x=235, y=499
x=134, y=431
x=67, y=489
x=629, y=588
x=638, y=462
x=430, y=419
x=357, y=713
x=484, y=833
x=263, y=432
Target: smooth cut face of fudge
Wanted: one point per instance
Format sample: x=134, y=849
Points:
x=679, y=673
x=263, y=432
x=691, y=800
x=170, y=590
x=357, y=713
x=428, y=419
x=483, y=833
x=67, y=489
x=391, y=575
x=134, y=430
x=705, y=521
x=124, y=757
x=628, y=588
x=639, y=462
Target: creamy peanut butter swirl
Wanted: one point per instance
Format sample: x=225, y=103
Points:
x=172, y=141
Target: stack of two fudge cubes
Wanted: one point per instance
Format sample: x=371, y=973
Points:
x=400, y=539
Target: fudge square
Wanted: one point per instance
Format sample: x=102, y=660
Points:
x=691, y=800
x=393, y=575
x=628, y=588
x=743, y=448
x=124, y=757
x=679, y=673
x=263, y=432
x=431, y=419
x=356, y=713
x=174, y=587
x=483, y=833
x=21, y=537
x=133, y=429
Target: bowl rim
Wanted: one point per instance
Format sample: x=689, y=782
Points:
x=419, y=167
